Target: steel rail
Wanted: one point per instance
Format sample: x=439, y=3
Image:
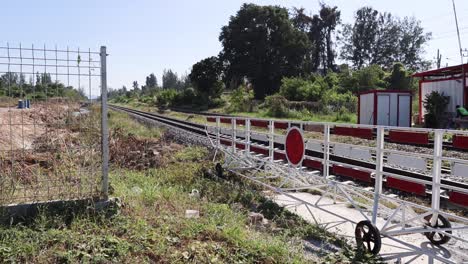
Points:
x=201, y=130
x=446, y=145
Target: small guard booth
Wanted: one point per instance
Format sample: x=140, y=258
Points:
x=448, y=81
x=385, y=108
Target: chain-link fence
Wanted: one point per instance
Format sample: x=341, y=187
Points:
x=53, y=133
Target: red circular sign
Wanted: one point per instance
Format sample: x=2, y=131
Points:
x=294, y=146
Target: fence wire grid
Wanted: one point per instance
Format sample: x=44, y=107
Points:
x=51, y=124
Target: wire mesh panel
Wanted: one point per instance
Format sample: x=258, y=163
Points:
x=50, y=124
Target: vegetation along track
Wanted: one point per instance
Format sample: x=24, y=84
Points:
x=200, y=130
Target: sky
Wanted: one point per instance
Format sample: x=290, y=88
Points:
x=148, y=36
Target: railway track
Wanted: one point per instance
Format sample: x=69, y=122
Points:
x=200, y=130
x=447, y=145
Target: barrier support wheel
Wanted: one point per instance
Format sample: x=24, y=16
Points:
x=435, y=237
x=368, y=237
x=219, y=170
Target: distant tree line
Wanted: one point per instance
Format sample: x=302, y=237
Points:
x=265, y=46
x=38, y=87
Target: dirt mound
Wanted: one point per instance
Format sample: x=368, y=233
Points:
x=20, y=128
x=131, y=152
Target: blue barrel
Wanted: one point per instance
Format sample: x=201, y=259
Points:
x=20, y=104
x=28, y=103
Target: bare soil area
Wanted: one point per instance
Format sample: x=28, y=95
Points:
x=20, y=128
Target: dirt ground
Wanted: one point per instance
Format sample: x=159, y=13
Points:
x=20, y=128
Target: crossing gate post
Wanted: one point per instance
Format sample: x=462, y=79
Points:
x=378, y=171
x=326, y=151
x=436, y=170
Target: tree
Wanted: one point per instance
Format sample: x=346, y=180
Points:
x=135, y=85
x=170, y=79
x=151, y=81
x=206, y=77
x=359, y=38
x=380, y=38
x=399, y=78
x=411, y=42
x=319, y=29
x=331, y=18
x=261, y=44
x=387, y=35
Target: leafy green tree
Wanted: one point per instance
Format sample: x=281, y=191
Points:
x=412, y=39
x=387, y=35
x=298, y=89
x=206, y=77
x=319, y=29
x=380, y=38
x=261, y=44
x=151, y=81
x=170, y=79
x=331, y=18
x=370, y=78
x=399, y=79
x=358, y=39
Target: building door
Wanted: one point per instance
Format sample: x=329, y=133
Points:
x=404, y=112
x=383, y=110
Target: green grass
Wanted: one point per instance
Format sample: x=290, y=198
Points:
x=292, y=115
x=120, y=121
x=151, y=226
x=306, y=116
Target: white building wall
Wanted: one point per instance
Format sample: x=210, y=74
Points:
x=393, y=109
x=366, y=111
x=451, y=88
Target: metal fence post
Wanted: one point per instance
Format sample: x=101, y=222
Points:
x=104, y=128
x=218, y=132
x=271, y=138
x=326, y=151
x=379, y=159
x=436, y=170
x=247, y=137
x=234, y=134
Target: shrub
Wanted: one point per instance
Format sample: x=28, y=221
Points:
x=343, y=115
x=186, y=97
x=436, y=106
x=276, y=106
x=166, y=98
x=298, y=89
x=240, y=100
x=333, y=101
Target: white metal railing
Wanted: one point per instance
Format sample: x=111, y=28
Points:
x=243, y=150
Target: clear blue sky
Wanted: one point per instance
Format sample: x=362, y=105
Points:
x=144, y=36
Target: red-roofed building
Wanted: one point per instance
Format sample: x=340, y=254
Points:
x=448, y=81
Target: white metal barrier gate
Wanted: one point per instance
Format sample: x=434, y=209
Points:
x=257, y=150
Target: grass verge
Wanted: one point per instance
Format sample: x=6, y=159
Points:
x=151, y=226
